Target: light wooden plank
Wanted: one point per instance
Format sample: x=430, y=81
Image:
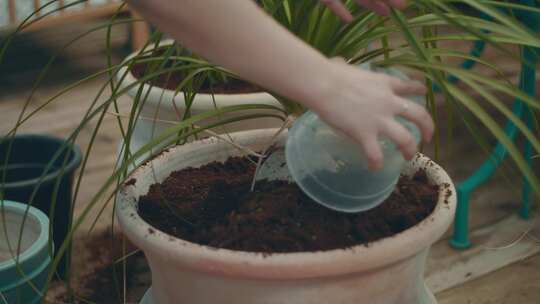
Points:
x=518, y=283
x=448, y=268
x=12, y=12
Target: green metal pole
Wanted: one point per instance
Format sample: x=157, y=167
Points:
x=528, y=85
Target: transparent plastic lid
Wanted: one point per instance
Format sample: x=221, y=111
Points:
x=332, y=169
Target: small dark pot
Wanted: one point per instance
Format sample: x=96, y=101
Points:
x=28, y=160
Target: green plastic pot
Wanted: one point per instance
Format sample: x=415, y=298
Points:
x=24, y=173
x=23, y=276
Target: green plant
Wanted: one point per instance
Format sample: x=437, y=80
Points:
x=418, y=39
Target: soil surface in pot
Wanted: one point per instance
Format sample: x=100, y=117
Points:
x=212, y=205
x=172, y=80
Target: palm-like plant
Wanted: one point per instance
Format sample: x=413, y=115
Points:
x=421, y=36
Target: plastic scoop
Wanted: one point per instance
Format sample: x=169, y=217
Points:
x=332, y=170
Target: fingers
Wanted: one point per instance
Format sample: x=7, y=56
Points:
x=407, y=87
x=372, y=150
x=381, y=7
x=377, y=6
x=417, y=114
x=399, y=4
x=403, y=139
x=338, y=59
x=339, y=9
x=410, y=110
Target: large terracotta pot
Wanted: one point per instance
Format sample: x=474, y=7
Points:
x=388, y=271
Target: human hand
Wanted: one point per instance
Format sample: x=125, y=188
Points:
x=381, y=7
x=363, y=105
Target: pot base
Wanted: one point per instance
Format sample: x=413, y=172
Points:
x=147, y=298
x=430, y=298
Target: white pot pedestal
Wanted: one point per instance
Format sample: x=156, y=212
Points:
x=147, y=298
x=430, y=298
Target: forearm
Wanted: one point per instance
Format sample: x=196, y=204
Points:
x=238, y=35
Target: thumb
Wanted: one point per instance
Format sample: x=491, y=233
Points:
x=338, y=60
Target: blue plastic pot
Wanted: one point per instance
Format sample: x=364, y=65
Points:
x=26, y=165
x=23, y=276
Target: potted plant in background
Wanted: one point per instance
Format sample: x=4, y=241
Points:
x=165, y=102
x=421, y=49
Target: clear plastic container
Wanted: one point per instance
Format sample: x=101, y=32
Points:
x=332, y=169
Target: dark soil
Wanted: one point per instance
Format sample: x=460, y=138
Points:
x=213, y=206
x=102, y=282
x=172, y=80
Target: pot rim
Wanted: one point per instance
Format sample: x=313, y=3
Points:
x=48, y=178
x=296, y=265
x=202, y=101
x=41, y=242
